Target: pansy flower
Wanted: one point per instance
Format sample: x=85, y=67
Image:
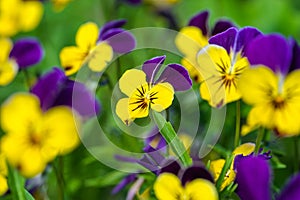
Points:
x=33, y=137
x=55, y=89
x=268, y=86
x=194, y=182
x=95, y=48
x=216, y=166
x=254, y=180
x=19, y=15
x=221, y=64
x=144, y=90
x=13, y=57
x=192, y=38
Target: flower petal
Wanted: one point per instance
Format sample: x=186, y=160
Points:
x=244, y=37
x=225, y=39
x=291, y=190
x=244, y=149
x=216, y=167
x=190, y=40
x=14, y=115
x=87, y=35
x=152, y=66
x=257, y=85
x=100, y=56
x=71, y=59
x=123, y=112
x=200, y=21
x=130, y=80
x=5, y=46
x=295, y=64
x=167, y=186
x=27, y=52
x=120, y=40
x=272, y=51
x=249, y=186
x=221, y=26
x=31, y=15
x=8, y=71
x=164, y=94
x=111, y=25
x=195, y=172
x=177, y=76
x=201, y=189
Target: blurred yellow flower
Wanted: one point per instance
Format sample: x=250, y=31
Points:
x=19, y=15
x=34, y=138
x=3, y=175
x=8, y=67
x=168, y=186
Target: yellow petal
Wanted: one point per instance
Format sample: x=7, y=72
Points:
x=63, y=127
x=5, y=46
x=139, y=102
x=15, y=116
x=8, y=71
x=87, y=36
x=123, y=111
x=30, y=15
x=72, y=58
x=258, y=85
x=130, y=80
x=9, y=17
x=164, y=94
x=100, y=56
x=190, y=65
x=167, y=187
x=201, y=189
x=216, y=167
x=190, y=40
x=3, y=185
x=244, y=149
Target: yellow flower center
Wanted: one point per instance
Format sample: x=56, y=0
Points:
x=278, y=102
x=143, y=97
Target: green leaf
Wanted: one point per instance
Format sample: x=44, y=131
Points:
x=28, y=196
x=16, y=183
x=110, y=179
x=276, y=163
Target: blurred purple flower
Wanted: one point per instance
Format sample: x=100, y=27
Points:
x=54, y=89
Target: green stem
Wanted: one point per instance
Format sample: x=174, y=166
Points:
x=168, y=132
x=119, y=72
x=27, y=78
x=237, y=124
x=16, y=183
x=259, y=139
x=296, y=148
x=58, y=168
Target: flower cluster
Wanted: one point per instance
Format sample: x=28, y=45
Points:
x=57, y=83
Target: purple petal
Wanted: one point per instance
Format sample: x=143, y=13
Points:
x=152, y=66
x=111, y=25
x=295, y=64
x=124, y=182
x=148, y=163
x=272, y=51
x=244, y=37
x=225, y=39
x=27, y=52
x=292, y=190
x=77, y=96
x=253, y=176
x=134, y=2
x=194, y=172
x=200, y=21
x=48, y=87
x=170, y=166
x=177, y=76
x=221, y=26
x=120, y=40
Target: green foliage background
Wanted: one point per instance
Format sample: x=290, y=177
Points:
x=85, y=177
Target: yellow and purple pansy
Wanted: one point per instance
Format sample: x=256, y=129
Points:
x=221, y=64
x=39, y=136
x=270, y=87
x=14, y=57
x=95, y=48
x=55, y=89
x=144, y=90
x=192, y=38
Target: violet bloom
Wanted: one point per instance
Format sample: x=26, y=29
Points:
x=54, y=89
x=24, y=53
x=253, y=176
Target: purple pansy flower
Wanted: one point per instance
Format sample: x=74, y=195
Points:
x=253, y=176
x=54, y=89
